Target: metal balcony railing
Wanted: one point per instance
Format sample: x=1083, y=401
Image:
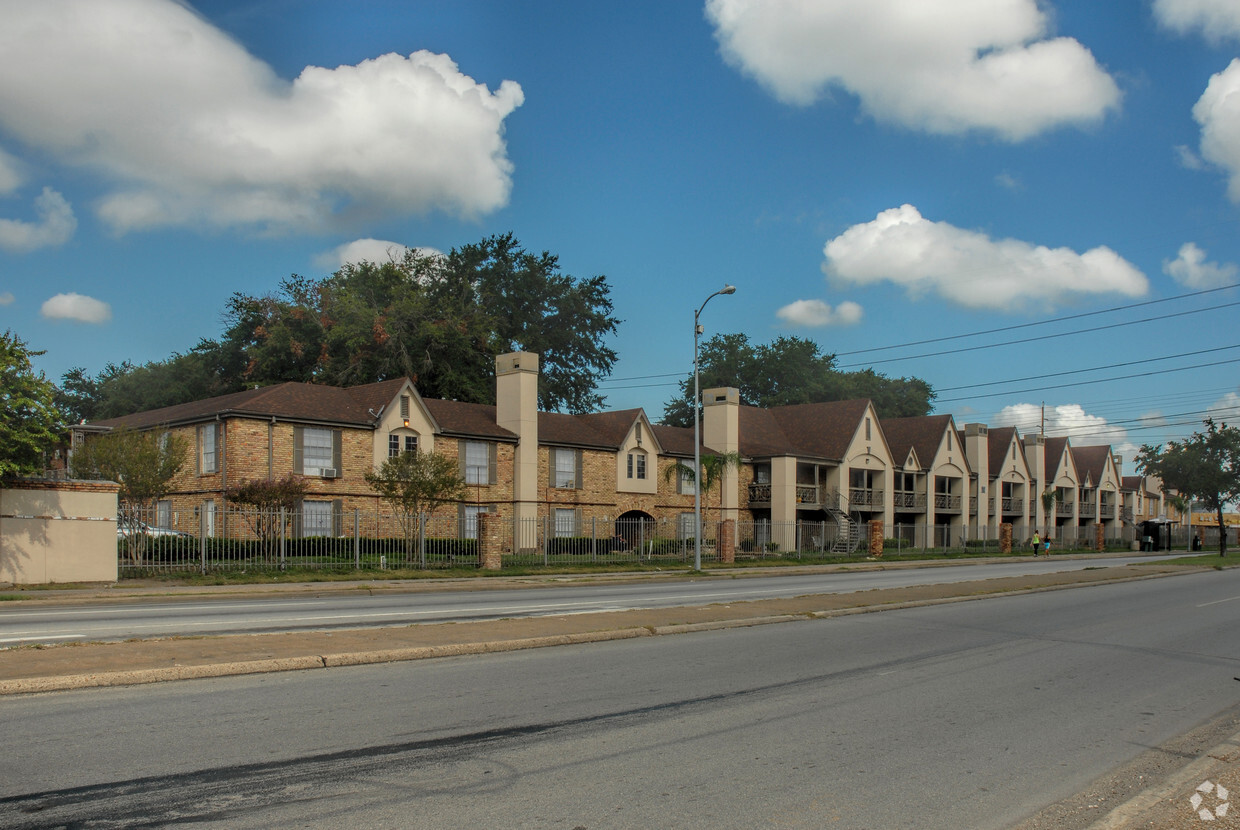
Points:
x=904, y=500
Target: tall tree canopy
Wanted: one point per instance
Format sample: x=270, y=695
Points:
x=30, y=425
x=440, y=320
x=792, y=370
x=1204, y=467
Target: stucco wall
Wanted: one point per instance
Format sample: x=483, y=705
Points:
x=57, y=531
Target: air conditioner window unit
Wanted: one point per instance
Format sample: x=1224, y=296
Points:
x=329, y=472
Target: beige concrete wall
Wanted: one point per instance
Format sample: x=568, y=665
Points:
x=57, y=531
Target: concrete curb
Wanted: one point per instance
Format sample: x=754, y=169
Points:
x=1183, y=781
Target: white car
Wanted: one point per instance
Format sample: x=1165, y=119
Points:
x=132, y=527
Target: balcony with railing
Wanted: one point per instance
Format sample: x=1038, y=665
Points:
x=909, y=502
x=1013, y=506
x=860, y=498
x=760, y=494
x=1087, y=510
x=947, y=503
x=1063, y=508
x=807, y=496
x=1106, y=511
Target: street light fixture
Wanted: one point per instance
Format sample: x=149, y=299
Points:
x=697, y=432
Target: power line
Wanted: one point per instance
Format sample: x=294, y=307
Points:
x=1044, y=336
x=1097, y=380
x=1082, y=371
x=1038, y=322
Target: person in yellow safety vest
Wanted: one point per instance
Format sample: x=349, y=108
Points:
x=1037, y=543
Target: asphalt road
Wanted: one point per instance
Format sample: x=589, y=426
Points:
x=24, y=624
x=969, y=715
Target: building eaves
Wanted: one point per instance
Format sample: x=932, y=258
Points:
x=467, y=420
x=304, y=402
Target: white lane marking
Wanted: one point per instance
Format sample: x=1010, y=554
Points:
x=28, y=639
x=1217, y=601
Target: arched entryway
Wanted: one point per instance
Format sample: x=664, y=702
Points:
x=636, y=527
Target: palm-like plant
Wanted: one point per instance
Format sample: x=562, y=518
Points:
x=1049, y=498
x=714, y=467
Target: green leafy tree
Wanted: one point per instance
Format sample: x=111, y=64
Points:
x=1204, y=467
x=30, y=423
x=122, y=389
x=273, y=502
x=142, y=462
x=415, y=484
x=792, y=370
x=714, y=467
x=437, y=319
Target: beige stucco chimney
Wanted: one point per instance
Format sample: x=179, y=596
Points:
x=516, y=409
x=1035, y=458
x=977, y=451
x=721, y=432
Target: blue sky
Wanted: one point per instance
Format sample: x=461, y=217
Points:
x=868, y=173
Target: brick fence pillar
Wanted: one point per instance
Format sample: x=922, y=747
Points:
x=1005, y=537
x=490, y=549
x=1100, y=540
x=876, y=537
x=727, y=541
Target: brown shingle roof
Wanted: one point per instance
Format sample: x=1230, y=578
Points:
x=349, y=406
x=476, y=420
x=998, y=441
x=300, y=401
x=1091, y=462
x=922, y=435
x=604, y=430
x=675, y=440
x=811, y=430
x=1054, y=456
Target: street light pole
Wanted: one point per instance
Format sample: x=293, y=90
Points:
x=697, y=432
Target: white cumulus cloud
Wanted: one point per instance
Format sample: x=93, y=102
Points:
x=1214, y=18
x=971, y=269
x=55, y=225
x=10, y=174
x=196, y=130
x=1066, y=421
x=77, y=307
x=6, y=298
x=368, y=250
x=1218, y=113
x=1191, y=270
x=1226, y=409
x=817, y=313
x=946, y=67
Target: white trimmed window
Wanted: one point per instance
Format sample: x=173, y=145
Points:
x=684, y=528
x=565, y=522
x=401, y=443
x=637, y=464
x=469, y=519
x=316, y=450
x=316, y=518
x=208, y=459
x=477, y=462
x=688, y=481
x=566, y=468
